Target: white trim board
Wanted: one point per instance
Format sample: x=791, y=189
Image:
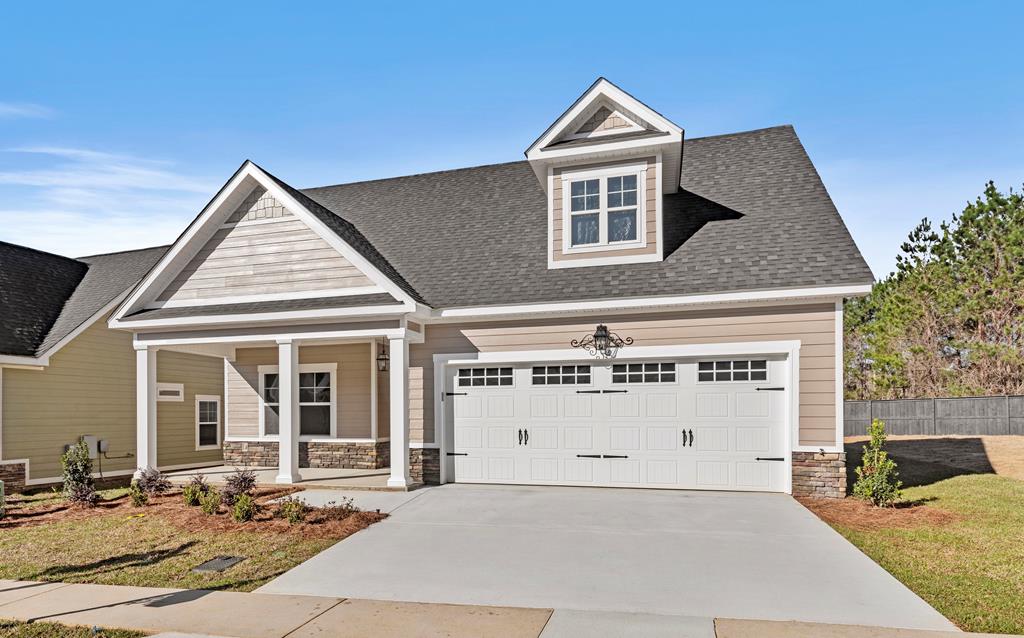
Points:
x=263, y=317
x=653, y=304
x=351, y=291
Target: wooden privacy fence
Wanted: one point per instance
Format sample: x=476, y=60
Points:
x=966, y=415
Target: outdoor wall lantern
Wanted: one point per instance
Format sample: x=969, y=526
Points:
x=382, y=357
x=603, y=343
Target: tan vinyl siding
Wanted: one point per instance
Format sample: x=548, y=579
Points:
x=651, y=207
x=813, y=326
x=266, y=256
x=176, y=420
x=353, y=386
x=89, y=388
x=604, y=120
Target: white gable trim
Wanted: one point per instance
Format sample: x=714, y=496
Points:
x=302, y=294
x=211, y=219
x=608, y=91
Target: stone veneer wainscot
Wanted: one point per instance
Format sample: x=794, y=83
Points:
x=819, y=474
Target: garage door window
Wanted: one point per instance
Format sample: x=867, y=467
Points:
x=644, y=373
x=484, y=376
x=561, y=375
x=708, y=371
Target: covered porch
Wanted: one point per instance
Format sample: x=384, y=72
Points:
x=320, y=404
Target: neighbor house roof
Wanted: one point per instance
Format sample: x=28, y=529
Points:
x=752, y=214
x=45, y=297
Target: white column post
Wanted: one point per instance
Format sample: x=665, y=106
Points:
x=145, y=408
x=399, y=397
x=288, y=391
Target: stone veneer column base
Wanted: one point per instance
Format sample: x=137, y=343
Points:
x=319, y=454
x=13, y=476
x=425, y=465
x=820, y=475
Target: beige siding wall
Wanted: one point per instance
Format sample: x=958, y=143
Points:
x=603, y=120
x=813, y=326
x=273, y=254
x=354, y=370
x=89, y=388
x=651, y=205
x=176, y=420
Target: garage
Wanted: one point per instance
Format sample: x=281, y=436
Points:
x=698, y=423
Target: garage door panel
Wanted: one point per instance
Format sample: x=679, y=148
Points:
x=501, y=438
x=579, y=437
x=578, y=406
x=753, y=439
x=665, y=439
x=469, y=407
x=624, y=438
x=543, y=438
x=544, y=470
x=501, y=468
x=662, y=472
x=469, y=468
x=711, y=439
x=712, y=405
x=713, y=474
x=662, y=405
x=543, y=406
x=624, y=471
x=753, y=404
x=469, y=437
x=623, y=405
x=501, y=406
x=579, y=470
x=753, y=475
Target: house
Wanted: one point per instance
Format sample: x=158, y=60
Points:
x=625, y=307
x=65, y=374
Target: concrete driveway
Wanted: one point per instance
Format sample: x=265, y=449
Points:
x=705, y=554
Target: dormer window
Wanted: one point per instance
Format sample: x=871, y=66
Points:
x=604, y=209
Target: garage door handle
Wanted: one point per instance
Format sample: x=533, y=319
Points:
x=526, y=437
x=520, y=436
x=769, y=458
x=588, y=456
x=770, y=389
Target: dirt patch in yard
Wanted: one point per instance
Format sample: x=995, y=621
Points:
x=856, y=514
x=171, y=508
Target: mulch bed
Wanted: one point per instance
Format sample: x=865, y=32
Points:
x=171, y=508
x=853, y=513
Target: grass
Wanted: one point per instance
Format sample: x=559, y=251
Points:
x=969, y=566
x=14, y=629
x=152, y=546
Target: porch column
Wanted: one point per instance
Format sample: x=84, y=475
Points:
x=399, y=396
x=145, y=408
x=288, y=396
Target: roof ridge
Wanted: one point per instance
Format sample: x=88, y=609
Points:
x=124, y=252
x=740, y=133
x=425, y=173
x=42, y=252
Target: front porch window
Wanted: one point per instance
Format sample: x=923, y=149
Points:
x=317, y=400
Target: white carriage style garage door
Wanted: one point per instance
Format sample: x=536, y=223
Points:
x=684, y=424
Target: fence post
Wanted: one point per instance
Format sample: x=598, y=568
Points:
x=935, y=417
x=1007, y=397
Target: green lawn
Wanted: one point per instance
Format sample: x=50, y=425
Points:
x=12, y=629
x=141, y=546
x=970, y=569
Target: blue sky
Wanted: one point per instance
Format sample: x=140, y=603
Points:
x=119, y=121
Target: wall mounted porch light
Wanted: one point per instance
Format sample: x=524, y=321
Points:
x=382, y=357
x=603, y=343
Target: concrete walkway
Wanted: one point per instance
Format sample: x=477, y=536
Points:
x=663, y=553
x=322, y=478
x=176, y=613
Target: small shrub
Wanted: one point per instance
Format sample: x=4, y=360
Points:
x=245, y=508
x=238, y=483
x=137, y=494
x=210, y=502
x=292, y=509
x=77, y=474
x=877, y=478
x=153, y=482
x=195, y=489
x=335, y=511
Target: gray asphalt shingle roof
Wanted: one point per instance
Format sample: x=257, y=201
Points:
x=45, y=297
x=752, y=214
x=285, y=305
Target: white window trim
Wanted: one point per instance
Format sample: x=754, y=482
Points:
x=640, y=170
x=211, y=398
x=177, y=387
x=262, y=371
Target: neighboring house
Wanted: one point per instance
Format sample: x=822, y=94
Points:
x=64, y=374
x=433, y=323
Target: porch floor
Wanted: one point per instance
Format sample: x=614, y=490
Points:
x=321, y=478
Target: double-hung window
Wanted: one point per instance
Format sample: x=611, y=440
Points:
x=605, y=208
x=207, y=422
x=317, y=399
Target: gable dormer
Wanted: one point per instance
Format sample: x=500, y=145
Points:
x=604, y=165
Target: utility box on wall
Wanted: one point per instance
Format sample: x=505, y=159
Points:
x=93, y=444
